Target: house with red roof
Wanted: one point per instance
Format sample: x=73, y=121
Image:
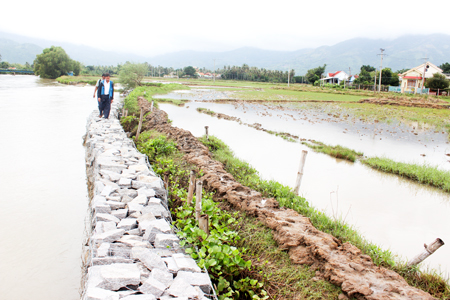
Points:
x=335, y=78
x=413, y=79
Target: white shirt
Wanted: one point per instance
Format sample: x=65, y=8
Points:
x=106, y=85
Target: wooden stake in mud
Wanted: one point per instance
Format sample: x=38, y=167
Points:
x=198, y=200
x=191, y=187
x=429, y=249
x=126, y=113
x=151, y=107
x=206, y=132
x=300, y=172
x=140, y=124
x=203, y=223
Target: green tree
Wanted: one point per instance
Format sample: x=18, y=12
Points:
x=401, y=71
x=131, y=74
x=445, y=67
x=367, y=68
x=388, y=77
x=53, y=62
x=438, y=81
x=314, y=74
x=189, y=71
x=4, y=65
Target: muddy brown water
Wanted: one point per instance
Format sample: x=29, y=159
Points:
x=394, y=213
x=43, y=187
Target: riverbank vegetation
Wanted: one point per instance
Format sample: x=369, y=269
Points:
x=337, y=151
x=424, y=174
x=148, y=91
x=247, y=175
x=241, y=255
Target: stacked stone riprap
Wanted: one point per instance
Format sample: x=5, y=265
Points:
x=134, y=253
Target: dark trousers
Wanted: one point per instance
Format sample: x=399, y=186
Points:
x=105, y=106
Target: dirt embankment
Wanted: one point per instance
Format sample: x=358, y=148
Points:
x=422, y=103
x=340, y=263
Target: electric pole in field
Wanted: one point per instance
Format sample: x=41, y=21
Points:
x=214, y=71
x=381, y=68
x=424, y=70
x=289, y=73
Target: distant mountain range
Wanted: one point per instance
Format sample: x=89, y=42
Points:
x=403, y=52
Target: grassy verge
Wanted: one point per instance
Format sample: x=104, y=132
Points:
x=240, y=254
x=171, y=101
x=205, y=111
x=423, y=174
x=272, y=94
x=334, y=151
x=147, y=92
x=247, y=175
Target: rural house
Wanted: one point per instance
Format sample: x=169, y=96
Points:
x=335, y=78
x=411, y=80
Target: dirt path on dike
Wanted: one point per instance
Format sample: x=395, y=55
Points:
x=340, y=263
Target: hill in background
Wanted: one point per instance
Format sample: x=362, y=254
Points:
x=403, y=52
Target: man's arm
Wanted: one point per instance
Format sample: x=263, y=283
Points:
x=99, y=91
x=112, y=86
x=95, y=92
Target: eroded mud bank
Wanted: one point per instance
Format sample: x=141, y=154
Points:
x=341, y=263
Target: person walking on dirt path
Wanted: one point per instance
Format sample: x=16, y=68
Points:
x=95, y=92
x=105, y=95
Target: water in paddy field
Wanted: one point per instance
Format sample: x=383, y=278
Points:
x=44, y=199
x=394, y=213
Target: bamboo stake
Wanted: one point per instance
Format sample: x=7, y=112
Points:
x=191, y=187
x=140, y=124
x=203, y=223
x=206, y=132
x=429, y=249
x=198, y=200
x=300, y=172
x=151, y=107
x=126, y=113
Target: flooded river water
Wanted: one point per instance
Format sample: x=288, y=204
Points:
x=392, y=212
x=43, y=187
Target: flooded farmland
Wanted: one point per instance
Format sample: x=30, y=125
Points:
x=390, y=211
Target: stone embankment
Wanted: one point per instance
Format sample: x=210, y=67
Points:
x=133, y=251
x=340, y=263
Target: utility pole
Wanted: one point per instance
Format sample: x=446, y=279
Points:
x=375, y=81
x=289, y=72
x=381, y=68
x=424, y=70
x=214, y=71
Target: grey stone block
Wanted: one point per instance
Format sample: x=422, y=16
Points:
x=116, y=276
x=140, y=297
x=146, y=192
x=138, y=168
x=107, y=190
x=120, y=213
x=108, y=236
x=99, y=261
x=124, y=182
x=126, y=199
x=152, y=286
x=155, y=227
x=171, y=264
x=103, y=250
x=127, y=224
x=106, y=218
x=149, y=259
x=116, y=204
x=201, y=280
x=101, y=226
x=140, y=199
x=134, y=241
x=100, y=294
x=180, y=288
x=164, y=277
x=166, y=241
x=102, y=208
x=186, y=263
x=144, y=220
x=134, y=207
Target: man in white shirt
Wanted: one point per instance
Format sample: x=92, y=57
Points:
x=105, y=95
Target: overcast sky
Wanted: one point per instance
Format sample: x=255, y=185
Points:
x=156, y=27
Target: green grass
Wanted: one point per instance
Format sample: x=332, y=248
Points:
x=335, y=151
x=273, y=267
x=205, y=111
x=269, y=94
x=248, y=176
x=171, y=101
x=92, y=80
x=423, y=174
x=131, y=103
